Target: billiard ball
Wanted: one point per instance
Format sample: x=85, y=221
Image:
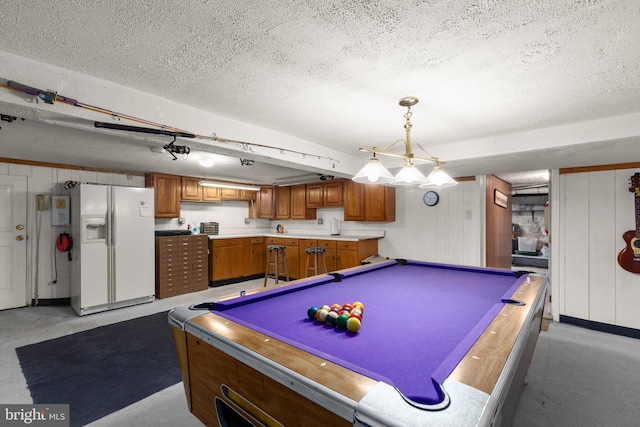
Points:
x=356, y=310
x=353, y=324
x=341, y=322
x=332, y=317
x=312, y=312
x=357, y=316
x=358, y=304
x=321, y=315
x=336, y=306
x=326, y=307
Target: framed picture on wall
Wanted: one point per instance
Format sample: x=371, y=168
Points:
x=500, y=198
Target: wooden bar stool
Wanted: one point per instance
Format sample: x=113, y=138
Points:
x=277, y=258
x=317, y=253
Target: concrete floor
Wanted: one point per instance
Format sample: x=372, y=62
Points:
x=577, y=378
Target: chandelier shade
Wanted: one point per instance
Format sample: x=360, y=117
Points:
x=438, y=179
x=373, y=173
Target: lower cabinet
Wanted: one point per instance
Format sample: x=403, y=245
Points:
x=293, y=258
x=257, y=255
x=236, y=258
x=338, y=255
x=181, y=265
x=227, y=259
x=243, y=257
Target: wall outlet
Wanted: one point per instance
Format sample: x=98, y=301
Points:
x=319, y=221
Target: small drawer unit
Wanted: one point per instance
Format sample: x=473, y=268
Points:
x=181, y=265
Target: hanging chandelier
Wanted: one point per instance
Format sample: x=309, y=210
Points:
x=375, y=173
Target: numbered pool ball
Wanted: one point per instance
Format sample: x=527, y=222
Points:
x=312, y=311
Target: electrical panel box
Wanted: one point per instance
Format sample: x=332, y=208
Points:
x=59, y=210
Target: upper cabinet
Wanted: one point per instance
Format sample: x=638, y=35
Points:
x=299, y=209
x=353, y=201
x=167, y=194
x=265, y=206
x=369, y=202
x=325, y=194
x=191, y=189
x=283, y=202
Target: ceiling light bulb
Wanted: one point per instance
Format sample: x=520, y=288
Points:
x=438, y=178
x=373, y=173
x=408, y=175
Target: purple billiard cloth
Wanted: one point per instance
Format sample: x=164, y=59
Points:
x=419, y=320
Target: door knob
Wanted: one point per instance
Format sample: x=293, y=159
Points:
x=19, y=237
x=19, y=227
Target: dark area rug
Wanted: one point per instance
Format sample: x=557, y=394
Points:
x=102, y=370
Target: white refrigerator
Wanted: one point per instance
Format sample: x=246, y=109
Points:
x=113, y=254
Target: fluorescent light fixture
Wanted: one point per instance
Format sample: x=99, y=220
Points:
x=229, y=185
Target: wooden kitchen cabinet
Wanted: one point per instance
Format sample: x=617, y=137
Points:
x=283, y=202
x=293, y=257
x=332, y=194
x=265, y=206
x=257, y=255
x=353, y=201
x=166, y=194
x=369, y=202
x=325, y=194
x=299, y=209
x=352, y=253
x=229, y=194
x=191, y=189
x=303, y=256
x=227, y=259
x=247, y=195
x=181, y=265
x=210, y=194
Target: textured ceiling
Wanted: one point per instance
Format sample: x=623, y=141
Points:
x=332, y=72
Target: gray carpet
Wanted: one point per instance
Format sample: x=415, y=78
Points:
x=581, y=378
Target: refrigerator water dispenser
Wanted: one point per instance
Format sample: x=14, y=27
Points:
x=94, y=229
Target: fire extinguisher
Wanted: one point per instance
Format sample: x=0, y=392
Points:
x=64, y=243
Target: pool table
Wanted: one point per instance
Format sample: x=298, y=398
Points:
x=439, y=345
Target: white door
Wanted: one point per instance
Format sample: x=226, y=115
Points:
x=13, y=242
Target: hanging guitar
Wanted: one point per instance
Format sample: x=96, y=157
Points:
x=629, y=257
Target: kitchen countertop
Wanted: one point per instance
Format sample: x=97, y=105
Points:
x=297, y=235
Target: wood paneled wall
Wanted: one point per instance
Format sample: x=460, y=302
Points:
x=498, y=226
